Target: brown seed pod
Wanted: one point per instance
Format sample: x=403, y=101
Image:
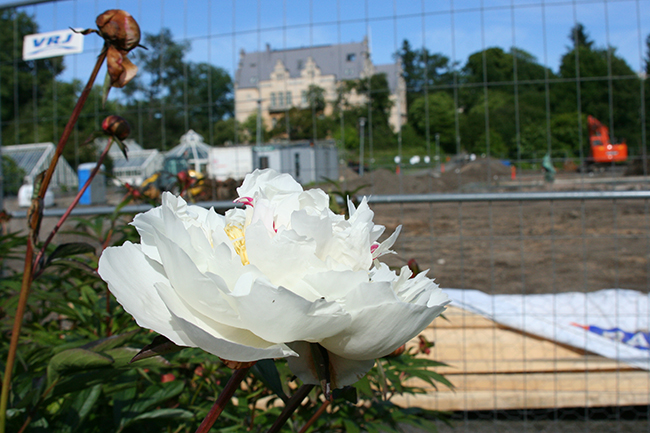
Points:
x=119, y=28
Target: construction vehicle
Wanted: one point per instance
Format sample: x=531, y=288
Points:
x=176, y=176
x=603, y=151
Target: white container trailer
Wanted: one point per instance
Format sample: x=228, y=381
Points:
x=230, y=162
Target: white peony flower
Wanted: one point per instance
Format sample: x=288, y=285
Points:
x=264, y=281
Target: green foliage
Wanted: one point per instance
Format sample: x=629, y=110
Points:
x=172, y=95
x=26, y=80
x=12, y=175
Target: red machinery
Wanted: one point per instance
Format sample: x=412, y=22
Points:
x=602, y=150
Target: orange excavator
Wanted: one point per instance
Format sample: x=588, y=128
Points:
x=602, y=149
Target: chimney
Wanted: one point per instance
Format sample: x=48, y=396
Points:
x=268, y=47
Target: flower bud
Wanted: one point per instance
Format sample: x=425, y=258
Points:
x=237, y=365
x=116, y=126
x=119, y=28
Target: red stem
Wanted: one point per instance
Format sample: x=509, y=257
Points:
x=314, y=417
x=29, y=253
x=74, y=203
x=224, y=398
x=290, y=407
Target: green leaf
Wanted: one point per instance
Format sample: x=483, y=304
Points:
x=123, y=356
x=74, y=360
x=67, y=250
x=155, y=395
x=266, y=371
x=110, y=342
x=159, y=346
x=351, y=426
x=83, y=404
x=165, y=413
x=121, y=145
x=347, y=393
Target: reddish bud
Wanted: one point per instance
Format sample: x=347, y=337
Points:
x=424, y=346
x=414, y=267
x=169, y=377
x=117, y=126
x=119, y=28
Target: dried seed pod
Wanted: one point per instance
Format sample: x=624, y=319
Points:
x=119, y=28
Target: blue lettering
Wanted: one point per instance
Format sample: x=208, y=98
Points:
x=68, y=38
x=38, y=42
x=53, y=40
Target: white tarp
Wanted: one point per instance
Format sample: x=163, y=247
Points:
x=612, y=323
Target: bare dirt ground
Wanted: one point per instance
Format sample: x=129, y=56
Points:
x=517, y=247
x=501, y=247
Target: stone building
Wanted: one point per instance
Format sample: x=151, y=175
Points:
x=278, y=80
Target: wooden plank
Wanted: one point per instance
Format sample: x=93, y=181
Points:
x=495, y=367
x=489, y=348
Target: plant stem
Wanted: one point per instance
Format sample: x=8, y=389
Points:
x=291, y=406
x=315, y=416
x=224, y=398
x=29, y=253
x=74, y=203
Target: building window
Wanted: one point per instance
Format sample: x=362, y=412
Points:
x=280, y=76
x=281, y=99
x=351, y=57
x=253, y=80
x=303, y=97
x=273, y=99
x=300, y=64
x=289, y=102
x=264, y=162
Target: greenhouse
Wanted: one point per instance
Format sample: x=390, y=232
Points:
x=193, y=150
x=140, y=164
x=35, y=158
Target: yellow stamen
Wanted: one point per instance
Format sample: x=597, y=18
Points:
x=236, y=235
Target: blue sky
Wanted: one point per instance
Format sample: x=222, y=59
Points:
x=218, y=29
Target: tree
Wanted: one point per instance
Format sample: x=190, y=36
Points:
x=171, y=95
x=596, y=83
x=441, y=118
x=579, y=37
x=22, y=83
x=423, y=69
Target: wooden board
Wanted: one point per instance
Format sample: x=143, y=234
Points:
x=495, y=367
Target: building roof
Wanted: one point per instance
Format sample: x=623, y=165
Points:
x=191, y=147
x=345, y=61
x=34, y=158
x=137, y=159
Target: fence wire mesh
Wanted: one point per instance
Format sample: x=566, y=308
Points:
x=470, y=97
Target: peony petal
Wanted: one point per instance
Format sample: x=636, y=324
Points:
x=131, y=277
x=333, y=285
x=269, y=180
x=381, y=322
x=203, y=293
x=287, y=316
x=343, y=371
x=226, y=342
x=284, y=259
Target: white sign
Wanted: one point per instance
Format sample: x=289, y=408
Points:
x=52, y=44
